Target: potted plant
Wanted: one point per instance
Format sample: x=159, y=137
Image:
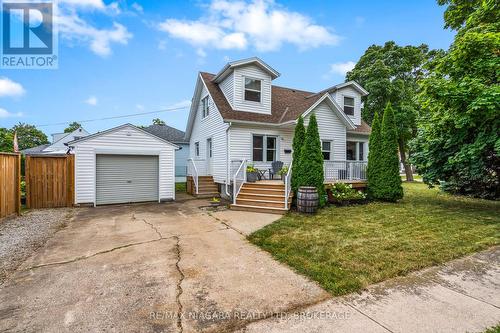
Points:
x=252, y=174
x=283, y=171
x=215, y=202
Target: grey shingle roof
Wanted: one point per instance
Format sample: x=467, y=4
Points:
x=167, y=133
x=35, y=150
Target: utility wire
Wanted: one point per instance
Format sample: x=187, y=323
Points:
x=115, y=117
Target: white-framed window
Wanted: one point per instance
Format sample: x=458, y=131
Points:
x=205, y=106
x=349, y=105
x=264, y=148
x=253, y=89
x=350, y=150
x=197, y=149
x=326, y=149
x=209, y=147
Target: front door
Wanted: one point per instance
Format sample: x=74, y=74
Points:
x=209, y=156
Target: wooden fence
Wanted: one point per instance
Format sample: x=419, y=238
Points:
x=10, y=184
x=50, y=181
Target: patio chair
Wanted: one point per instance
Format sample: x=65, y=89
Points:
x=275, y=168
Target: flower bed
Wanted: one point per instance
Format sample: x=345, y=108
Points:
x=342, y=194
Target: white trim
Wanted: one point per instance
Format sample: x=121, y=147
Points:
x=117, y=128
x=336, y=108
x=243, y=62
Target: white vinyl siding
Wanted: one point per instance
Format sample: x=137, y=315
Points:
x=242, y=141
x=330, y=129
x=212, y=127
x=252, y=72
x=123, y=141
x=348, y=91
x=227, y=87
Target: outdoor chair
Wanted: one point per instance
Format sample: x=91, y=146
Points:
x=275, y=168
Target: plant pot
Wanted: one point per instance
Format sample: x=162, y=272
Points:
x=252, y=177
x=214, y=204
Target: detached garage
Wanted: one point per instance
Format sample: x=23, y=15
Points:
x=123, y=165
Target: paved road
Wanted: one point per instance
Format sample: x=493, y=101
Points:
x=177, y=268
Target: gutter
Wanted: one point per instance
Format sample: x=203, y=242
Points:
x=228, y=167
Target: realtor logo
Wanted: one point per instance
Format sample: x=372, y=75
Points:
x=28, y=35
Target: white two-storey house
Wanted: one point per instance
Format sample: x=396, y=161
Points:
x=238, y=117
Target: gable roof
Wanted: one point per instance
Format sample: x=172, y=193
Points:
x=254, y=61
x=111, y=130
x=167, y=133
x=35, y=150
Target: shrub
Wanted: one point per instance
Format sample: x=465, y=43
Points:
x=344, y=193
x=390, y=187
x=310, y=171
x=298, y=141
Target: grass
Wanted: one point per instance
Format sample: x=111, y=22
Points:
x=180, y=187
x=495, y=329
x=347, y=248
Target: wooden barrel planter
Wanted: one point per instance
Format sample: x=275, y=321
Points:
x=307, y=199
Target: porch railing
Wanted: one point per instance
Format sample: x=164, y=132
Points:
x=239, y=178
x=345, y=170
x=288, y=184
x=193, y=171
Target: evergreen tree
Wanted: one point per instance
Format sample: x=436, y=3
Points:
x=374, y=158
x=311, y=161
x=389, y=180
x=298, y=141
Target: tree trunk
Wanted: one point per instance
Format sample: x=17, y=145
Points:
x=402, y=154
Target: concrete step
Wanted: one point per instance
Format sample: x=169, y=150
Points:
x=258, y=209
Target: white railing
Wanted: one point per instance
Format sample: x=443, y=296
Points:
x=345, y=170
x=193, y=171
x=288, y=184
x=239, y=178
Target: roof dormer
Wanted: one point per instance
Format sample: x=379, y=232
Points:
x=246, y=84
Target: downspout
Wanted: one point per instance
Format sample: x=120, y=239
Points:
x=228, y=159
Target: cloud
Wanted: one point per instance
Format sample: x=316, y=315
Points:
x=261, y=24
x=138, y=8
x=92, y=100
x=73, y=27
x=6, y=114
x=10, y=88
x=341, y=68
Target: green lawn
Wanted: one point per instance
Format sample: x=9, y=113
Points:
x=347, y=248
x=180, y=187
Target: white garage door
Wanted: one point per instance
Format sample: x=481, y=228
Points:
x=126, y=178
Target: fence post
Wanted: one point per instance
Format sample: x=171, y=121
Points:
x=18, y=184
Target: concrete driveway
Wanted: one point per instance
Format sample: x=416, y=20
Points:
x=158, y=267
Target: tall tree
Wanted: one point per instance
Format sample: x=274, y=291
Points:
x=374, y=158
x=389, y=178
x=158, y=121
x=458, y=143
x=311, y=161
x=29, y=136
x=390, y=73
x=6, y=140
x=72, y=127
x=298, y=141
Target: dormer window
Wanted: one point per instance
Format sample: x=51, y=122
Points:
x=349, y=105
x=206, y=109
x=252, y=90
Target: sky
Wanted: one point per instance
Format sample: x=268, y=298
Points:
x=125, y=57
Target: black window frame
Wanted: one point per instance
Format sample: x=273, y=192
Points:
x=264, y=149
x=329, y=151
